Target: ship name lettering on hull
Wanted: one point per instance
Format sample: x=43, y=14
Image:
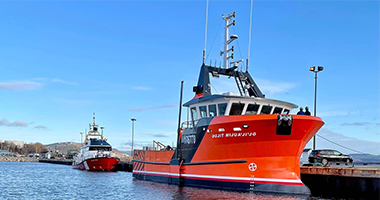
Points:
x=231, y=135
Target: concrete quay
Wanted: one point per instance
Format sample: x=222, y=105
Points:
x=357, y=183
x=121, y=166
x=17, y=159
x=57, y=161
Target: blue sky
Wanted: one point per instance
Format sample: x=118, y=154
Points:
x=61, y=61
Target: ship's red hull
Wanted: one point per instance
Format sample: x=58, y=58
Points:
x=255, y=158
x=97, y=164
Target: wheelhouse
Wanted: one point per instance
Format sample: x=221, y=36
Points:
x=228, y=105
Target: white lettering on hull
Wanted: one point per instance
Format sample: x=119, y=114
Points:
x=231, y=135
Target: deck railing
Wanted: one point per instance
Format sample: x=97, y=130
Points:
x=189, y=124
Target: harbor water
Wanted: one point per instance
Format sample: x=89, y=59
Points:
x=31, y=180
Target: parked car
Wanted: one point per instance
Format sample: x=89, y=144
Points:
x=327, y=155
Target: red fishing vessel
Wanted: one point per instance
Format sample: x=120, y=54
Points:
x=96, y=152
x=240, y=142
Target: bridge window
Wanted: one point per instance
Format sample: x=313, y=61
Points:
x=252, y=109
x=203, y=111
x=100, y=149
x=286, y=111
x=236, y=108
x=194, y=114
x=212, y=110
x=266, y=110
x=277, y=110
x=222, y=109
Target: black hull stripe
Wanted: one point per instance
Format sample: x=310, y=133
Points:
x=216, y=162
x=196, y=163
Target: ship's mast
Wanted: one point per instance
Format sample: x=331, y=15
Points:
x=93, y=126
x=245, y=83
x=229, y=21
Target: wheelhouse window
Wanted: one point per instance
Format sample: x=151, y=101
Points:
x=203, y=111
x=286, y=111
x=236, y=108
x=252, y=109
x=194, y=114
x=100, y=149
x=222, y=109
x=266, y=110
x=212, y=110
x=277, y=110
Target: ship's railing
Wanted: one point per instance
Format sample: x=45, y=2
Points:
x=166, y=148
x=101, y=155
x=189, y=124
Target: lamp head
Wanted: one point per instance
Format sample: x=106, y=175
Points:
x=233, y=37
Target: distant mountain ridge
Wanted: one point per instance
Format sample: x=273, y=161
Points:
x=61, y=143
x=64, y=147
x=365, y=158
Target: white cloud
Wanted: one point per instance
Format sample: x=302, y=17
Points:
x=55, y=80
x=335, y=113
x=270, y=87
x=41, y=127
x=141, y=88
x=5, y=122
x=19, y=123
x=20, y=85
x=37, y=83
x=356, y=124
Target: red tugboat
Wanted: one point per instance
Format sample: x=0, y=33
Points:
x=96, y=153
x=240, y=142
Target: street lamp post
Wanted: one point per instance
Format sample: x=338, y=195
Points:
x=133, y=130
x=315, y=70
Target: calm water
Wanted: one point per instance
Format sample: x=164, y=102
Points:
x=50, y=181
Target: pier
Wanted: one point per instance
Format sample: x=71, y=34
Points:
x=345, y=182
x=121, y=166
x=124, y=166
x=57, y=161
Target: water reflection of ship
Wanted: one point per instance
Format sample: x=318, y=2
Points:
x=96, y=152
x=240, y=142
